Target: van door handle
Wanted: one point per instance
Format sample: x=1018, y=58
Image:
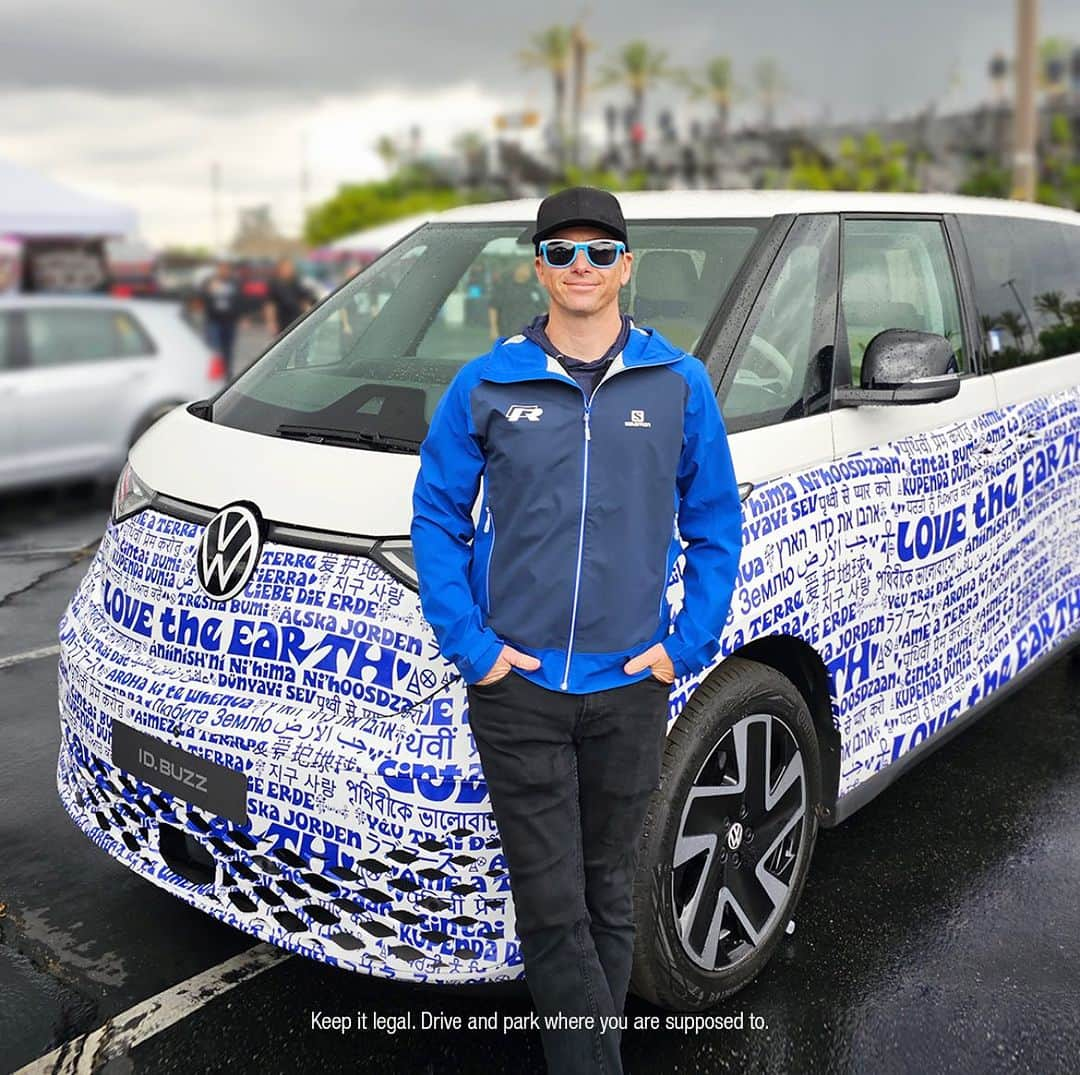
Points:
x=745, y=489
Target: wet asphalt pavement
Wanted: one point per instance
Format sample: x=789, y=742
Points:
x=939, y=930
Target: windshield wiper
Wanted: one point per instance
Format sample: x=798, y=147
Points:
x=354, y=437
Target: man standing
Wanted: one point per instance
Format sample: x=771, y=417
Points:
x=592, y=436
x=516, y=298
x=220, y=299
x=286, y=298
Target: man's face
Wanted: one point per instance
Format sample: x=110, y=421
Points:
x=579, y=289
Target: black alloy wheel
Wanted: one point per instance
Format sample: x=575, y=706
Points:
x=728, y=837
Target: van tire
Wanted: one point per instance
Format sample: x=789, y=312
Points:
x=766, y=708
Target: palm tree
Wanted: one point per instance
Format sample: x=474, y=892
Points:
x=550, y=50
x=717, y=87
x=1010, y=321
x=771, y=86
x=1053, y=54
x=638, y=67
x=387, y=149
x=1052, y=303
x=471, y=146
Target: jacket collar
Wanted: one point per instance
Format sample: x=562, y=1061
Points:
x=517, y=358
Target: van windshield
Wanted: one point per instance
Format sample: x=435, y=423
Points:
x=369, y=365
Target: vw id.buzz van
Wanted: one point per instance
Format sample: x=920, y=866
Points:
x=257, y=718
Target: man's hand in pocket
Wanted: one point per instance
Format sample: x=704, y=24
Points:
x=507, y=659
x=656, y=659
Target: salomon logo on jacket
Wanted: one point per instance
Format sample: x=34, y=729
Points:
x=585, y=510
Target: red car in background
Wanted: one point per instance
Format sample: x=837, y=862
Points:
x=132, y=269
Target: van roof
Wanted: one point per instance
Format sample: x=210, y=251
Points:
x=719, y=204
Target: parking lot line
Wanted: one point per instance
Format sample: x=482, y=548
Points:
x=123, y=1032
x=29, y=655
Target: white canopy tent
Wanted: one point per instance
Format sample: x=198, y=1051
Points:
x=34, y=206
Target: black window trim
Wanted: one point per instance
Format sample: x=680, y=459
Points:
x=965, y=281
x=765, y=419
x=722, y=332
x=841, y=353
x=7, y=340
x=18, y=345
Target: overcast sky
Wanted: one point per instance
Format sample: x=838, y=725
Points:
x=134, y=99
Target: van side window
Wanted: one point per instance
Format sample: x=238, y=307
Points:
x=1027, y=287
x=5, y=336
x=60, y=336
x=781, y=368
x=897, y=274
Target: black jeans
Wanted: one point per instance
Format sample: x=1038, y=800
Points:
x=221, y=335
x=569, y=777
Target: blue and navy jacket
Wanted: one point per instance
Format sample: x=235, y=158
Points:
x=577, y=536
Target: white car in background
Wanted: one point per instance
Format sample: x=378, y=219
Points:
x=82, y=378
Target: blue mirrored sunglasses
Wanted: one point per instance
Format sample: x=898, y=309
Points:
x=599, y=253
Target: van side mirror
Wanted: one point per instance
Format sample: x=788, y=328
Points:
x=904, y=366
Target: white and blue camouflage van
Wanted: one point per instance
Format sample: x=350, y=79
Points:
x=256, y=717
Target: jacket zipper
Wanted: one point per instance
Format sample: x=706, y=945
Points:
x=489, y=524
x=581, y=542
x=581, y=523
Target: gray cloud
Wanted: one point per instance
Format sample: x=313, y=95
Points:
x=134, y=99
x=857, y=58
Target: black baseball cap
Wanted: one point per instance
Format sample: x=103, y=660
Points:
x=578, y=206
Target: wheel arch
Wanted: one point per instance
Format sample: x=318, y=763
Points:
x=802, y=664
x=149, y=415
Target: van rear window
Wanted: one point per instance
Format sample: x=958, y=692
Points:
x=1027, y=287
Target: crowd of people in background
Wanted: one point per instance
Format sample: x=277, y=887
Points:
x=224, y=304
x=502, y=296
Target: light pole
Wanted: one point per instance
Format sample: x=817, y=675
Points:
x=1023, y=186
x=1011, y=285
x=305, y=180
x=579, y=45
x=215, y=204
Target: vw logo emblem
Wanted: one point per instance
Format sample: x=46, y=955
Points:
x=734, y=836
x=229, y=551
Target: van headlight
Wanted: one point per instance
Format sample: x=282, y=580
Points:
x=131, y=495
x=396, y=555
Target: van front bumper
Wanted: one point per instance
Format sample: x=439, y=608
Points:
x=358, y=856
